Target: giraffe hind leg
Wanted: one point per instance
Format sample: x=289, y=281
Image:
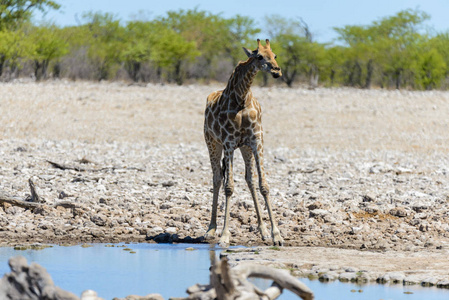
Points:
x=248, y=158
x=265, y=191
x=229, y=190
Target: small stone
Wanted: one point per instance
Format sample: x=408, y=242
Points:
x=168, y=183
x=171, y=230
x=443, y=284
x=398, y=212
x=89, y=295
x=329, y=276
x=347, y=276
x=318, y=213
x=431, y=281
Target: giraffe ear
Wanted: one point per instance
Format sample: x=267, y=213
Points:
x=248, y=52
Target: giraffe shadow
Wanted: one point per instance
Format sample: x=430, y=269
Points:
x=167, y=238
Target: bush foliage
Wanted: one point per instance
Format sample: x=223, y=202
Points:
x=197, y=46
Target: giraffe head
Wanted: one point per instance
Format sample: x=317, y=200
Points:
x=264, y=58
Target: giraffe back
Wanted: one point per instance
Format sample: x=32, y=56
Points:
x=234, y=125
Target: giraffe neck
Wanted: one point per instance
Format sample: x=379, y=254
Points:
x=239, y=84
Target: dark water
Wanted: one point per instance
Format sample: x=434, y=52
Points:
x=169, y=270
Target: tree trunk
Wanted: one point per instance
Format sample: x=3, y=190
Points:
x=313, y=77
x=37, y=70
x=57, y=70
x=133, y=69
x=2, y=64
x=177, y=73
x=265, y=79
x=398, y=78
x=288, y=79
x=369, y=74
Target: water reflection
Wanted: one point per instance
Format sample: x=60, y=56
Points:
x=169, y=270
x=114, y=272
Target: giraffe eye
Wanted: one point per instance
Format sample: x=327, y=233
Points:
x=259, y=57
x=275, y=56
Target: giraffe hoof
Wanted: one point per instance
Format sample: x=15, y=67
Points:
x=224, y=242
x=265, y=237
x=264, y=233
x=210, y=234
x=208, y=237
x=278, y=241
x=223, y=245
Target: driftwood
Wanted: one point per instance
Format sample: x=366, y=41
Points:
x=232, y=283
x=30, y=282
x=81, y=169
x=68, y=167
x=35, y=201
x=16, y=201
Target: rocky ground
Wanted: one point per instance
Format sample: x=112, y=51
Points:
x=348, y=169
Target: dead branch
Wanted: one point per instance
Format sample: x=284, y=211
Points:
x=34, y=196
x=227, y=283
x=81, y=169
x=35, y=201
x=281, y=277
x=17, y=201
x=68, y=204
x=66, y=167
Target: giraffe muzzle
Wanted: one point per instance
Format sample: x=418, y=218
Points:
x=276, y=72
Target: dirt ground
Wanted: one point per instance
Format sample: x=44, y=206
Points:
x=359, y=178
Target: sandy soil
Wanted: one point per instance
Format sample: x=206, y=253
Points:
x=362, y=171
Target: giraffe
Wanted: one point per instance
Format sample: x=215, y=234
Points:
x=233, y=120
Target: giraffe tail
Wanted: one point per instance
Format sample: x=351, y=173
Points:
x=223, y=170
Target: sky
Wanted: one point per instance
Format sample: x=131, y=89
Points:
x=320, y=15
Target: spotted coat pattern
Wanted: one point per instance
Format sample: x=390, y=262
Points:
x=233, y=120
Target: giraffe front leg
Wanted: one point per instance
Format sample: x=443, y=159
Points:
x=248, y=157
x=210, y=234
x=265, y=190
x=215, y=152
x=275, y=233
x=229, y=190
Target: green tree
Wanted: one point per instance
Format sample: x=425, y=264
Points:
x=242, y=31
x=14, y=12
x=430, y=69
x=388, y=45
x=208, y=31
x=441, y=43
x=334, y=59
x=105, y=40
x=12, y=48
x=170, y=50
x=360, y=54
x=137, y=48
x=45, y=44
x=397, y=37
x=296, y=51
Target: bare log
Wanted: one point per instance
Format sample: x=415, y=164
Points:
x=18, y=202
x=227, y=283
x=35, y=201
x=66, y=167
x=34, y=196
x=280, y=277
x=81, y=169
x=68, y=204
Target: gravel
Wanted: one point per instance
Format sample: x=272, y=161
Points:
x=349, y=169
